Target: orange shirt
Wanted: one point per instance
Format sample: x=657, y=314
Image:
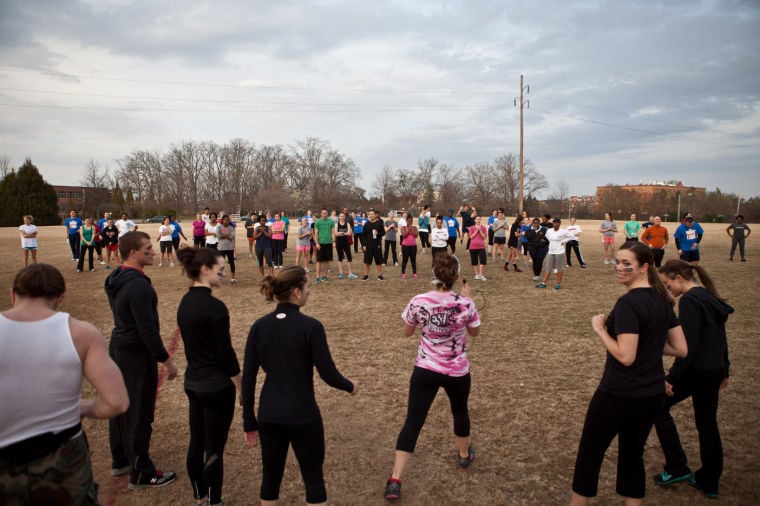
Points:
x=655, y=236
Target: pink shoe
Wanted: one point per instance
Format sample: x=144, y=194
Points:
x=403, y=276
x=414, y=276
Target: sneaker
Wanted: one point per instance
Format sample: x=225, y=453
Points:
x=403, y=276
x=119, y=471
x=233, y=281
x=324, y=279
x=606, y=262
x=353, y=276
x=414, y=276
x=107, y=267
x=541, y=285
x=160, y=264
x=380, y=278
x=693, y=483
x=341, y=276
x=476, y=276
x=395, y=264
x=557, y=286
x=583, y=266
x=92, y=270
x=171, y=264
x=536, y=278
x=664, y=478
x=101, y=262
x=159, y=479
x=317, y=281
x=744, y=259
x=483, y=278
x=306, y=270
x=79, y=270
x=517, y=269
x=393, y=489
x=365, y=278
x=464, y=462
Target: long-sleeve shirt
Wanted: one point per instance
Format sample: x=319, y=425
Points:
x=287, y=345
x=655, y=236
x=204, y=324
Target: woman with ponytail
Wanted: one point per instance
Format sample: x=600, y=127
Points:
x=213, y=371
x=701, y=375
x=640, y=329
x=288, y=345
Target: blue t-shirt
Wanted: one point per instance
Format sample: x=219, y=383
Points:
x=359, y=224
x=73, y=225
x=687, y=236
x=175, y=230
x=452, y=224
x=524, y=228
x=491, y=219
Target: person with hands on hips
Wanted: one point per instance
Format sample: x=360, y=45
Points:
x=288, y=345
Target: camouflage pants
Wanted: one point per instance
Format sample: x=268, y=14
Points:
x=62, y=477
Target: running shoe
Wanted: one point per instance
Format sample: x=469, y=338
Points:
x=483, y=278
x=365, y=278
x=160, y=264
x=324, y=279
x=233, y=281
x=517, y=269
x=159, y=479
x=476, y=276
x=464, y=462
x=414, y=276
x=119, y=471
x=665, y=478
x=393, y=489
x=380, y=278
x=341, y=276
x=353, y=276
x=317, y=281
x=541, y=285
x=403, y=276
x=536, y=278
x=557, y=286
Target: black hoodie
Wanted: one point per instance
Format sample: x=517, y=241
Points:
x=134, y=306
x=703, y=319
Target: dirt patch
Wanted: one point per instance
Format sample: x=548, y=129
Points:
x=535, y=366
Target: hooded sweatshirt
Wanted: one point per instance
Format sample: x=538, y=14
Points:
x=703, y=319
x=134, y=306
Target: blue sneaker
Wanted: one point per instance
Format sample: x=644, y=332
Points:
x=341, y=276
x=664, y=478
x=464, y=462
x=316, y=281
x=324, y=279
x=541, y=285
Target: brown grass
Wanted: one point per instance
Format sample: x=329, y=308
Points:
x=525, y=436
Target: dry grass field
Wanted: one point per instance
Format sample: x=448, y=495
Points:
x=535, y=366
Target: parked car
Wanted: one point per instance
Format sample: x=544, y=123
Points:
x=155, y=219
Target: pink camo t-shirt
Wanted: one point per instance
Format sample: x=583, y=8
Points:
x=443, y=318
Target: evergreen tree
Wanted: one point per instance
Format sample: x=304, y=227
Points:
x=26, y=192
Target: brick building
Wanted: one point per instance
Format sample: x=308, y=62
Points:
x=69, y=197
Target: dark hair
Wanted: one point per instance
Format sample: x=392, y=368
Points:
x=612, y=218
x=676, y=267
x=446, y=269
x=280, y=285
x=39, y=281
x=212, y=214
x=740, y=216
x=644, y=255
x=547, y=216
x=192, y=259
x=131, y=241
x=518, y=220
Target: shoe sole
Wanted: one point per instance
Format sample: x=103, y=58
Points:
x=133, y=486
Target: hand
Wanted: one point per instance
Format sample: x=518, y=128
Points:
x=598, y=323
x=171, y=369
x=252, y=438
x=668, y=389
x=465, y=291
x=356, y=387
x=725, y=383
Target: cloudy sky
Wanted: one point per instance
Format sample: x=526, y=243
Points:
x=620, y=92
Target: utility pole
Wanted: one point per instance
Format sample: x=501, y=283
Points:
x=526, y=89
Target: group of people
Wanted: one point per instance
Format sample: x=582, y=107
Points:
x=633, y=395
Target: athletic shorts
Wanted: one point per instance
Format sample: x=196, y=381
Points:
x=303, y=248
x=478, y=256
x=375, y=254
x=608, y=239
x=262, y=255
x=690, y=256
x=112, y=247
x=499, y=240
x=556, y=261
x=250, y=239
x=30, y=248
x=166, y=246
x=325, y=253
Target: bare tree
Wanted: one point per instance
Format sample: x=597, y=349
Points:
x=479, y=180
x=449, y=188
x=426, y=176
x=6, y=167
x=506, y=183
x=96, y=183
x=562, y=193
x=384, y=185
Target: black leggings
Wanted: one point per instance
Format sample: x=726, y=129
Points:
x=453, y=243
x=424, y=239
x=278, y=246
x=629, y=418
x=230, y=256
x=423, y=387
x=390, y=246
x=408, y=253
x=308, y=441
x=537, y=254
x=199, y=241
x=210, y=418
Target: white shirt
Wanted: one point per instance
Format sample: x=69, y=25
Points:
x=166, y=233
x=439, y=237
x=575, y=230
x=124, y=226
x=213, y=239
x=28, y=242
x=557, y=239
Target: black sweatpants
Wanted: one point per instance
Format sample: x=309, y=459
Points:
x=628, y=418
x=308, y=440
x=704, y=390
x=408, y=253
x=129, y=434
x=229, y=254
x=538, y=255
x=423, y=387
x=390, y=246
x=210, y=418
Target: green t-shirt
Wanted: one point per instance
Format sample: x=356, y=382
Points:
x=632, y=228
x=286, y=220
x=324, y=228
